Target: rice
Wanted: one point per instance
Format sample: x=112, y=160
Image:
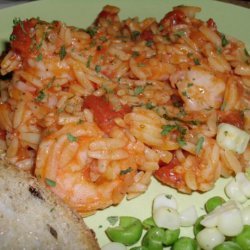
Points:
x=102, y=110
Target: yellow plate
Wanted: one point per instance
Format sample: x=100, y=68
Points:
x=231, y=20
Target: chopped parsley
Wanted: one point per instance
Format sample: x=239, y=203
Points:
x=190, y=84
x=138, y=90
x=89, y=61
x=149, y=105
x=197, y=61
x=149, y=43
x=62, y=52
x=103, y=38
x=246, y=52
x=179, y=33
x=169, y=196
x=181, y=141
x=126, y=171
x=224, y=41
x=166, y=129
x=16, y=21
x=99, y=47
x=184, y=93
x=50, y=182
x=113, y=220
x=135, y=34
x=41, y=95
x=195, y=122
x=97, y=68
x=71, y=138
x=141, y=65
x=12, y=37
x=199, y=145
x=39, y=57
x=92, y=31
x=135, y=54
x=219, y=50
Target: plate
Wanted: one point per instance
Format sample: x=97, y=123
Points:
x=231, y=20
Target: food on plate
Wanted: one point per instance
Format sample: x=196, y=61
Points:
x=223, y=223
x=96, y=112
x=32, y=217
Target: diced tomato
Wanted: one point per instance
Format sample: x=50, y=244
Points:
x=211, y=23
x=104, y=113
x=167, y=175
x=108, y=13
x=2, y=134
x=21, y=36
x=147, y=35
x=174, y=17
x=232, y=117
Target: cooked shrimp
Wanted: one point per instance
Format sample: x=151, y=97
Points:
x=200, y=90
x=88, y=170
x=191, y=171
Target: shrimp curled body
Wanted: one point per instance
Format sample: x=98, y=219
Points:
x=86, y=169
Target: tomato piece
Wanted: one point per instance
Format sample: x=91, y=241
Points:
x=2, y=134
x=235, y=118
x=21, y=35
x=174, y=17
x=104, y=113
x=167, y=175
x=211, y=23
x=147, y=35
x=108, y=13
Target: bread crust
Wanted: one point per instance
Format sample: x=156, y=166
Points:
x=31, y=217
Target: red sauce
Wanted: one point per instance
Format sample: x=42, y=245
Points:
x=104, y=113
x=232, y=117
x=21, y=34
x=167, y=175
x=174, y=17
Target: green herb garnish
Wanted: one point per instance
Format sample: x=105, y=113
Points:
x=138, y=90
x=103, y=38
x=71, y=138
x=135, y=54
x=181, y=141
x=166, y=129
x=224, y=41
x=41, y=95
x=199, y=145
x=125, y=171
x=50, y=182
x=92, y=31
x=39, y=57
x=12, y=37
x=97, y=68
x=62, y=52
x=113, y=220
x=149, y=105
x=149, y=43
x=89, y=61
x=197, y=61
x=246, y=52
x=135, y=34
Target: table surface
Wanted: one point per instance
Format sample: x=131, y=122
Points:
x=8, y=3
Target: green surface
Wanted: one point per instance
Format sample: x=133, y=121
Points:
x=230, y=19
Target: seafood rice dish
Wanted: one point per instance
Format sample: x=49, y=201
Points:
x=97, y=112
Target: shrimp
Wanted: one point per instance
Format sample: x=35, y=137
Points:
x=189, y=172
x=87, y=169
x=200, y=90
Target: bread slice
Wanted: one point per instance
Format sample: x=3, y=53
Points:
x=31, y=217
